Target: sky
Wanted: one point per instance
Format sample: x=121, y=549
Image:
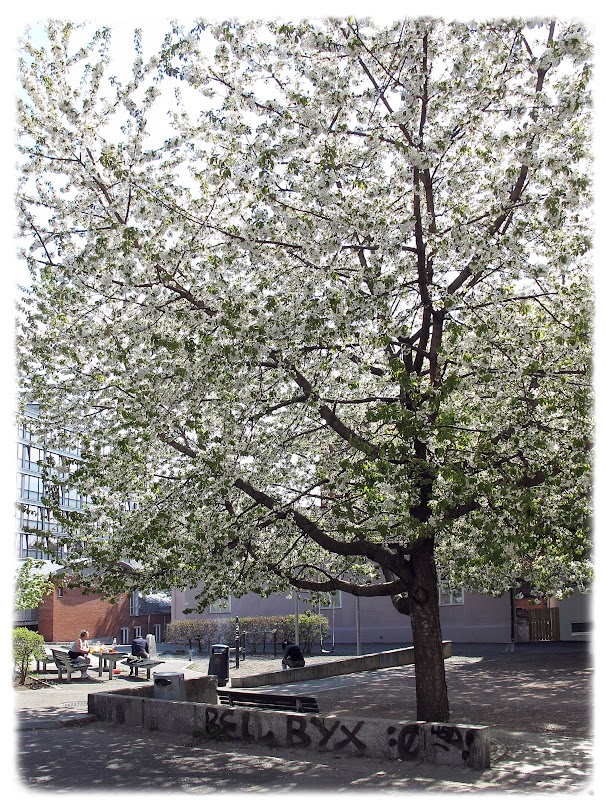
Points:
x=153, y=19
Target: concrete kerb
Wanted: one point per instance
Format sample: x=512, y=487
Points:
x=324, y=670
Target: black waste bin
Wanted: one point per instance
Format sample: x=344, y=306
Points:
x=218, y=664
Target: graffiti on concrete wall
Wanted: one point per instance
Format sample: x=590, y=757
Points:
x=303, y=731
x=414, y=741
x=322, y=733
x=408, y=741
x=238, y=724
x=449, y=738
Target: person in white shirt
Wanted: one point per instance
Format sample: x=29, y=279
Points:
x=79, y=651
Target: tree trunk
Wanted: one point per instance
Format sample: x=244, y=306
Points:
x=430, y=675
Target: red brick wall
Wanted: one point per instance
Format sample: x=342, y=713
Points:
x=61, y=619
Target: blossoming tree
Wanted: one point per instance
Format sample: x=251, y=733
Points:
x=315, y=298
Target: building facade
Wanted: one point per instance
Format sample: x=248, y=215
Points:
x=65, y=612
x=466, y=617
x=32, y=515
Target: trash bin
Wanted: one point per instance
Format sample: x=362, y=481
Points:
x=218, y=664
x=169, y=686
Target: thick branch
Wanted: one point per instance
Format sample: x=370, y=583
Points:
x=334, y=422
x=393, y=588
x=356, y=547
x=399, y=599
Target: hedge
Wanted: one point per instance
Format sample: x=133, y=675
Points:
x=257, y=631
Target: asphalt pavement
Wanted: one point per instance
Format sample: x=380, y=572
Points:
x=537, y=699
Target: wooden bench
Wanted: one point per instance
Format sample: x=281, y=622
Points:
x=267, y=701
x=135, y=663
x=68, y=666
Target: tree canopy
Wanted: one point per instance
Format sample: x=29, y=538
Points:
x=316, y=296
x=31, y=585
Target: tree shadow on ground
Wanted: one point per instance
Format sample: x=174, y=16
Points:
x=107, y=757
x=526, y=693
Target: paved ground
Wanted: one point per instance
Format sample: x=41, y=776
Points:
x=536, y=698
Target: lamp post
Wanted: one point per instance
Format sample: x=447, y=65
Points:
x=358, y=643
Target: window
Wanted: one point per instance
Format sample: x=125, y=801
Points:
x=24, y=433
x=28, y=546
x=69, y=498
x=29, y=456
x=158, y=632
x=221, y=606
x=453, y=598
x=124, y=633
x=137, y=631
x=36, y=517
x=133, y=604
x=59, y=591
x=335, y=601
x=580, y=628
x=29, y=487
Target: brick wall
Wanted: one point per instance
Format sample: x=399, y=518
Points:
x=61, y=618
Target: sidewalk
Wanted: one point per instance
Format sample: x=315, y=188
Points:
x=536, y=700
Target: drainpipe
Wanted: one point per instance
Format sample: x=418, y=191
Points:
x=513, y=613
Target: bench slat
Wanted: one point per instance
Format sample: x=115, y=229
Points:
x=65, y=664
x=148, y=664
x=268, y=701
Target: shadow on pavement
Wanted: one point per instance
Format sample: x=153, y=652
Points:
x=547, y=693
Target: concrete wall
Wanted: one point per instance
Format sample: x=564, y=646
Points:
x=413, y=741
x=575, y=609
x=323, y=670
x=202, y=689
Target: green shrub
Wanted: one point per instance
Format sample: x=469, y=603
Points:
x=202, y=632
x=256, y=633
x=26, y=644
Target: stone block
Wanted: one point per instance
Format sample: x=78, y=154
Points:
x=202, y=689
x=457, y=745
x=410, y=741
x=169, y=716
x=322, y=670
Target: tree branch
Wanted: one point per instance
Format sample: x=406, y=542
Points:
x=359, y=546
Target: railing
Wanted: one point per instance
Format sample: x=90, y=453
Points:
x=23, y=616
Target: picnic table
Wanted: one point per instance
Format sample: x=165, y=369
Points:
x=108, y=659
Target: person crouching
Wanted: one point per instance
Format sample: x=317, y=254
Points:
x=293, y=656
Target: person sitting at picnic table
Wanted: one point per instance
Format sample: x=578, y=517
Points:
x=140, y=647
x=138, y=650
x=79, y=651
x=293, y=656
